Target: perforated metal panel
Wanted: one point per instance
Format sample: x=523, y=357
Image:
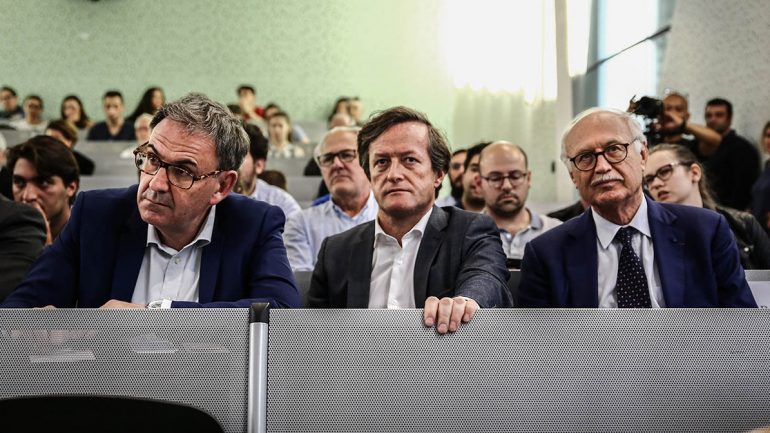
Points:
x=198, y=357
x=519, y=371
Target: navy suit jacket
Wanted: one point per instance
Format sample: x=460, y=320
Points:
x=98, y=255
x=695, y=252
x=460, y=254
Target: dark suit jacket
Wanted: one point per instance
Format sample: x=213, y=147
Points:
x=460, y=255
x=98, y=255
x=22, y=237
x=695, y=253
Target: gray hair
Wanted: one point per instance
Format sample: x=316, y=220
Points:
x=199, y=114
x=318, y=150
x=633, y=127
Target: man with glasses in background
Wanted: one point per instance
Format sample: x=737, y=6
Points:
x=628, y=251
x=178, y=239
x=352, y=202
x=505, y=181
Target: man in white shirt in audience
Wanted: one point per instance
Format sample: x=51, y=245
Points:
x=414, y=254
x=253, y=165
x=505, y=181
x=352, y=202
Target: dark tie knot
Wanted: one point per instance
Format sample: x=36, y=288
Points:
x=624, y=236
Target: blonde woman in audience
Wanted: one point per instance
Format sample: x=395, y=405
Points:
x=673, y=175
x=72, y=111
x=279, y=138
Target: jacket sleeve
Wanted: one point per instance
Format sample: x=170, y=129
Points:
x=22, y=237
x=534, y=288
x=484, y=276
x=733, y=290
x=318, y=295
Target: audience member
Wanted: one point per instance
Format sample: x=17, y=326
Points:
x=175, y=240
x=11, y=109
x=352, y=202
x=675, y=127
x=472, y=199
x=275, y=178
x=734, y=167
x=33, y=116
x=45, y=175
x=413, y=254
x=340, y=119
x=114, y=127
x=356, y=110
x=67, y=134
x=760, y=192
x=673, y=175
x=628, y=251
x=505, y=181
x=252, y=166
x=151, y=101
x=279, y=138
x=297, y=133
x=142, y=128
x=5, y=173
x=341, y=105
x=73, y=112
x=455, y=175
x=569, y=212
x=247, y=100
x=22, y=237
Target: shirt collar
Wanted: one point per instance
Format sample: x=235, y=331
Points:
x=203, y=238
x=418, y=228
x=606, y=230
x=535, y=222
x=341, y=213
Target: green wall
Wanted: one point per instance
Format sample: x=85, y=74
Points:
x=302, y=54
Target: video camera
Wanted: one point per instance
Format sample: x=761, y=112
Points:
x=651, y=109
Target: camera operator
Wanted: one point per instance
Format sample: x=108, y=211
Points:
x=668, y=122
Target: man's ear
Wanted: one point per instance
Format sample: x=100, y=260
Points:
x=226, y=181
x=259, y=166
x=72, y=189
x=439, y=178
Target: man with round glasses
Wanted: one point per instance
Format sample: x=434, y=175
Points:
x=352, y=202
x=178, y=239
x=627, y=251
x=505, y=181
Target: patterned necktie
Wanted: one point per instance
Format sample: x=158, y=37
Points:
x=631, y=286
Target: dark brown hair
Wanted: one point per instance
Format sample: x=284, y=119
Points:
x=685, y=156
x=438, y=150
x=49, y=156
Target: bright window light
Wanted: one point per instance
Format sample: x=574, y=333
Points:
x=501, y=46
x=578, y=35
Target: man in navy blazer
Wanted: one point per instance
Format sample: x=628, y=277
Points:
x=688, y=256
x=175, y=240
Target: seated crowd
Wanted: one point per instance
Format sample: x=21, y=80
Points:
x=661, y=223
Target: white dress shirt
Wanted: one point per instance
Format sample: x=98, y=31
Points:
x=275, y=196
x=392, y=283
x=609, y=256
x=169, y=274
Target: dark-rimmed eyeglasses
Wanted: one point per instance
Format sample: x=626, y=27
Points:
x=664, y=173
x=496, y=179
x=327, y=159
x=614, y=154
x=149, y=163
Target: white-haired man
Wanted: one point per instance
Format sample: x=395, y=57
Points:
x=627, y=251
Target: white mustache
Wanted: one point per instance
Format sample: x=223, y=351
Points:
x=605, y=178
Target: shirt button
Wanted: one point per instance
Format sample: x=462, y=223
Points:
x=176, y=261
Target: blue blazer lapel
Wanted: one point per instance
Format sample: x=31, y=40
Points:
x=668, y=242
x=128, y=257
x=360, y=271
x=210, y=261
x=429, y=246
x=582, y=265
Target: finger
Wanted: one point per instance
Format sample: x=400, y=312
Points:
x=429, y=311
x=470, y=310
x=458, y=310
x=444, y=311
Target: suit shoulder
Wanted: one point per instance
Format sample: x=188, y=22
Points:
x=239, y=208
x=350, y=235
